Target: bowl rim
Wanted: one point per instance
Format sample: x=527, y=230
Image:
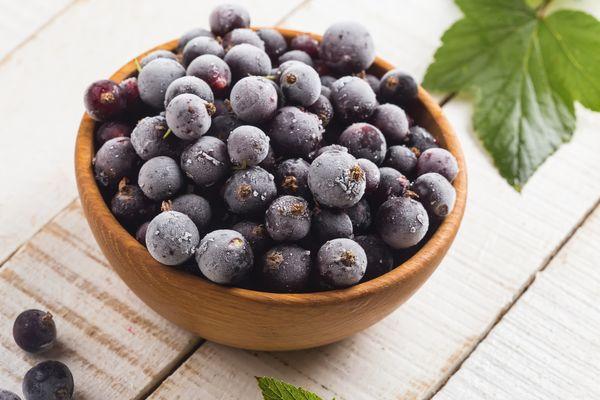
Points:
x=436, y=243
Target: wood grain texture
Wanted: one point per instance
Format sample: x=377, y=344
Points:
x=257, y=320
x=114, y=345
x=82, y=45
x=547, y=345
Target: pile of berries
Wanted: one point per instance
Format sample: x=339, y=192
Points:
x=273, y=165
x=35, y=332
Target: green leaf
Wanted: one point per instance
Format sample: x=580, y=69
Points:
x=274, y=389
x=525, y=71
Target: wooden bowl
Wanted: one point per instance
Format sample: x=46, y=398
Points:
x=258, y=320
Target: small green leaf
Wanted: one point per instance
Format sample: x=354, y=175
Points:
x=274, y=389
x=525, y=71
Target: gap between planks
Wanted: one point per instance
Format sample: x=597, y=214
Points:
x=518, y=296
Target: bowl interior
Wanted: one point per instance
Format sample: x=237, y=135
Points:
x=426, y=113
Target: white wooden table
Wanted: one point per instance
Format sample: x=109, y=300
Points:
x=512, y=312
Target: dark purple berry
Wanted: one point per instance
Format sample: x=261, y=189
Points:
x=110, y=130
x=160, y=178
x=188, y=116
x=288, y=218
x=223, y=125
x=326, y=92
x=270, y=160
x=249, y=191
x=140, y=233
x=148, y=139
x=172, y=238
x=296, y=55
x=398, y=88
x=115, y=160
x=275, y=44
x=245, y=60
x=130, y=206
x=305, y=43
x=247, y=145
x=331, y=224
x=331, y=147
x=190, y=85
x=104, y=100
x=256, y=234
x=372, y=174
x=222, y=107
x=380, y=258
x=226, y=17
x=438, y=160
x=353, y=99
x=295, y=133
x=254, y=99
x=341, y=263
x=323, y=109
x=327, y=80
x=421, y=140
x=286, y=268
x=347, y=47
x=401, y=158
x=402, y=222
x=392, y=122
x=212, y=70
x=336, y=180
x=206, y=161
x=189, y=35
x=435, y=193
x=131, y=93
x=300, y=84
x=242, y=35
x=34, y=331
x=155, y=78
x=360, y=216
x=364, y=141
x=224, y=257
x=391, y=184
x=157, y=54
x=48, y=380
x=373, y=81
x=291, y=177
x=194, y=206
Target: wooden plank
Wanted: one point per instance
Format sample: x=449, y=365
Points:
x=547, y=345
x=114, y=345
x=20, y=20
x=41, y=101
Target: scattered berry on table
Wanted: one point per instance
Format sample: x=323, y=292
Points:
x=341, y=262
x=104, y=100
x=48, y=380
x=160, y=178
x=435, y=193
x=336, y=180
x=402, y=222
x=206, y=161
x=249, y=191
x=155, y=78
x=253, y=99
x=247, y=145
x=438, y=160
x=34, y=331
x=288, y=218
x=172, y=238
x=285, y=268
x=224, y=256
